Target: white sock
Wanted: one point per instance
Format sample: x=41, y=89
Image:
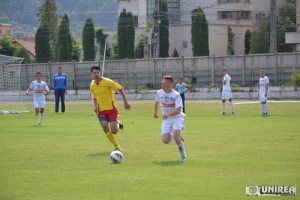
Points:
x=41, y=117
x=181, y=149
x=223, y=107
x=232, y=106
x=267, y=108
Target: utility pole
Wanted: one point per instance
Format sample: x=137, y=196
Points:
x=156, y=27
x=273, y=34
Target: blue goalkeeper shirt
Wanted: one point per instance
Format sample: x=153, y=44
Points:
x=60, y=81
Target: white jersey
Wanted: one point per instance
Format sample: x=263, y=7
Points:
x=38, y=90
x=226, y=85
x=169, y=102
x=263, y=81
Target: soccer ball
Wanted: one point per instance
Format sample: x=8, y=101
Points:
x=116, y=157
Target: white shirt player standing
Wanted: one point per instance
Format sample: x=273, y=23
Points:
x=39, y=89
x=172, y=115
x=226, y=91
x=264, y=92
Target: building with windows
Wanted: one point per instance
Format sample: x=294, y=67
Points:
x=294, y=38
x=6, y=30
x=239, y=15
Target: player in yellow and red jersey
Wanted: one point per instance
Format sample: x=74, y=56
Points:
x=105, y=107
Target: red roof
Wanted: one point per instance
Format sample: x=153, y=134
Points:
x=27, y=43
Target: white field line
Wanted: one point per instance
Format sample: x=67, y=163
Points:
x=255, y=102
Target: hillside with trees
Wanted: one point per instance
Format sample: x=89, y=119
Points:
x=24, y=13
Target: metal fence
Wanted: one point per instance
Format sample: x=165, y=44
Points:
x=146, y=73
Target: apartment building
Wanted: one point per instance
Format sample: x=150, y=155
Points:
x=6, y=30
x=239, y=15
x=294, y=38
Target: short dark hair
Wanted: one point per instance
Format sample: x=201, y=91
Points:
x=169, y=78
x=95, y=67
x=224, y=69
x=38, y=73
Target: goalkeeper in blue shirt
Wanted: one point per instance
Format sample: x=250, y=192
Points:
x=60, y=85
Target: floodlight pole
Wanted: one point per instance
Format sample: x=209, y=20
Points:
x=103, y=65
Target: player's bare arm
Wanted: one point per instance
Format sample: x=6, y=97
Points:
x=126, y=104
x=155, y=109
x=267, y=88
x=27, y=91
x=187, y=88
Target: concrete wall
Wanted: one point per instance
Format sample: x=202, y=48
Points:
x=200, y=71
x=199, y=94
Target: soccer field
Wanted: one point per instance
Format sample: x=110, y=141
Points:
x=68, y=156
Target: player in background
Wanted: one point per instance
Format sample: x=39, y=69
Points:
x=263, y=92
x=60, y=85
x=182, y=88
x=226, y=91
x=39, y=88
x=105, y=104
x=172, y=115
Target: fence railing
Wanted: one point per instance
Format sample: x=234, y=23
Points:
x=146, y=73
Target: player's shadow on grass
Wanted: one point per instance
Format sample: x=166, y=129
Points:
x=102, y=154
x=167, y=163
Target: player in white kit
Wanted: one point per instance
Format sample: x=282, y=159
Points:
x=39, y=89
x=172, y=115
x=226, y=91
x=264, y=92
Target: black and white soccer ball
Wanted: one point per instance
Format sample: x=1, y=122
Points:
x=116, y=157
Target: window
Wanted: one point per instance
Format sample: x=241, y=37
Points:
x=0, y=32
x=225, y=15
x=234, y=1
x=235, y=15
x=7, y=32
x=136, y=21
x=244, y=15
x=150, y=9
x=184, y=44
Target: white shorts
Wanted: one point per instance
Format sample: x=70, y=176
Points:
x=39, y=104
x=226, y=94
x=262, y=98
x=168, y=125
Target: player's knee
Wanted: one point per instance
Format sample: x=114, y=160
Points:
x=105, y=129
x=114, y=131
x=165, y=141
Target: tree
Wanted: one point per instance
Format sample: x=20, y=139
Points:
x=164, y=31
x=126, y=35
x=47, y=15
x=64, y=42
x=199, y=33
x=247, y=41
x=7, y=46
x=100, y=39
x=76, y=48
x=22, y=53
x=260, y=41
x=130, y=34
x=230, y=50
x=42, y=45
x=88, y=42
x=122, y=35
x=286, y=22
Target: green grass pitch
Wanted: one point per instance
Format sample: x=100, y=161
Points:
x=67, y=157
